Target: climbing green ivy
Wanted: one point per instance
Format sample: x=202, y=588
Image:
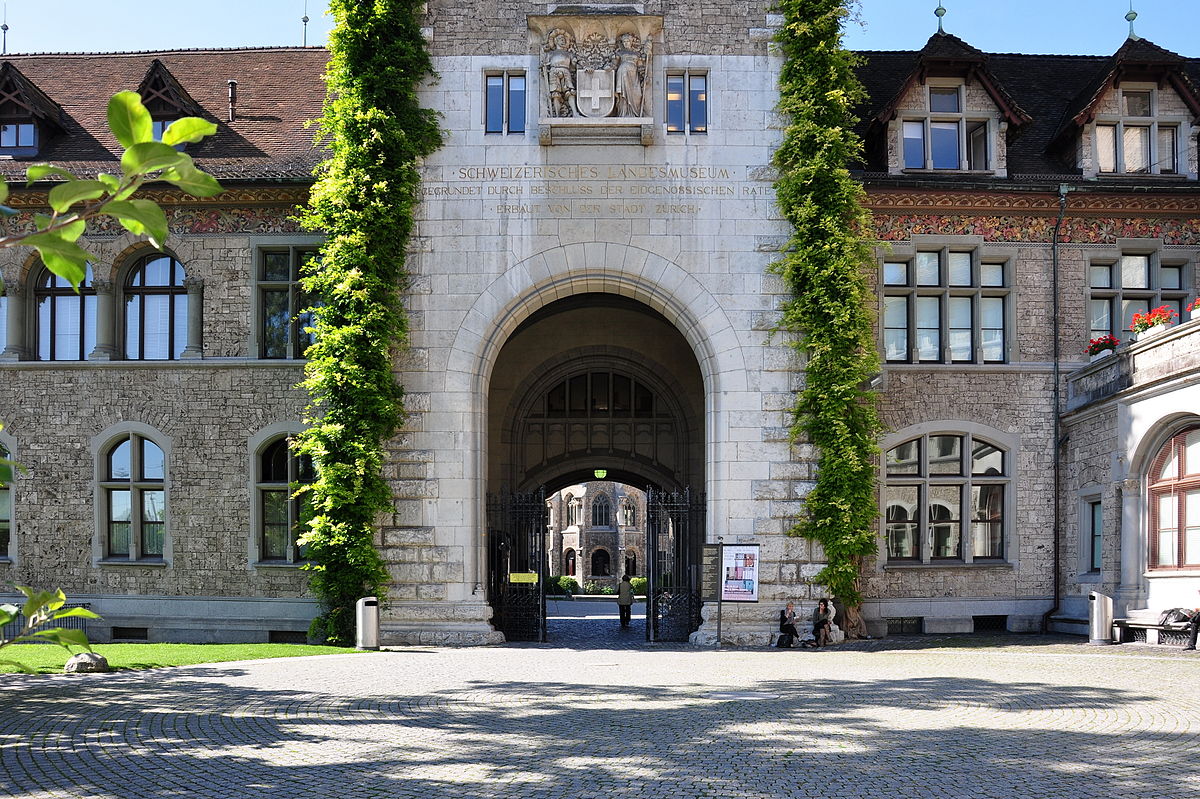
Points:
x=363, y=202
x=823, y=266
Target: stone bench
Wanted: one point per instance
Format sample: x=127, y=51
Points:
x=1142, y=626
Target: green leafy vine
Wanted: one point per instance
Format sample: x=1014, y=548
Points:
x=363, y=202
x=823, y=266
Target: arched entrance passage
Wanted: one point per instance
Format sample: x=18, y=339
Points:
x=593, y=386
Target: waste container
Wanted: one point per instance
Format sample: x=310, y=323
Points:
x=366, y=614
x=1100, y=619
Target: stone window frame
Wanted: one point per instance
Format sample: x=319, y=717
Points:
x=506, y=93
x=569, y=562
x=686, y=73
x=1187, y=483
x=258, y=245
x=592, y=562
x=1008, y=443
x=628, y=513
x=174, y=292
x=1089, y=501
x=257, y=445
x=100, y=447
x=8, y=449
x=1154, y=122
x=574, y=506
x=982, y=255
x=1117, y=295
x=602, y=511
x=962, y=118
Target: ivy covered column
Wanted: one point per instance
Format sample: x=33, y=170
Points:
x=363, y=202
x=830, y=310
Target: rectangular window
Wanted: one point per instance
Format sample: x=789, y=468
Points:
x=987, y=522
x=1095, y=535
x=5, y=516
x=1191, y=533
x=943, y=145
x=19, y=134
x=1134, y=284
x=1135, y=142
x=1106, y=147
x=504, y=103
x=945, y=521
x=901, y=520
x=1168, y=530
x=687, y=102
x=943, y=100
x=942, y=306
x=1167, y=145
x=284, y=310
x=977, y=145
x=914, y=145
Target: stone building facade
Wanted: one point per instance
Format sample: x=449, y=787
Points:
x=596, y=533
x=591, y=292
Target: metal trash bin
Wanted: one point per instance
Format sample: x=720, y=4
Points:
x=366, y=615
x=1100, y=619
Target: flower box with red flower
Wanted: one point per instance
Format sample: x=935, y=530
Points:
x=1097, y=348
x=1152, y=322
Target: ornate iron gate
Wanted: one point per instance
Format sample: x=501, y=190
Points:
x=517, y=545
x=674, y=532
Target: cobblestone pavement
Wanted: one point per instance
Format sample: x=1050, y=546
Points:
x=1006, y=716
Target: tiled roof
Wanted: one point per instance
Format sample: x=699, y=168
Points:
x=278, y=91
x=1050, y=89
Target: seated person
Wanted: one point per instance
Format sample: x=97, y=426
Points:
x=822, y=619
x=787, y=622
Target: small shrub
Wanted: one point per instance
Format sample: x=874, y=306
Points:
x=568, y=585
x=640, y=584
x=593, y=587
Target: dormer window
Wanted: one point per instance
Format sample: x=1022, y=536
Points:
x=165, y=99
x=946, y=138
x=1135, y=141
x=18, y=135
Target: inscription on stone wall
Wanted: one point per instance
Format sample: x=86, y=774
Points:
x=597, y=190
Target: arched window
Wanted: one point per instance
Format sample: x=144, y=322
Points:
x=282, y=516
x=574, y=511
x=600, y=563
x=933, y=484
x=601, y=512
x=569, y=563
x=156, y=310
x=628, y=514
x=631, y=563
x=1175, y=503
x=5, y=514
x=134, y=498
x=66, y=321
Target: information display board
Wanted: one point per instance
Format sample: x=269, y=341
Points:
x=710, y=573
x=739, y=566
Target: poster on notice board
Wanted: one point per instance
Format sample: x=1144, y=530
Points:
x=740, y=563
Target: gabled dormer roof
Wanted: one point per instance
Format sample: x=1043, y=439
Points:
x=21, y=98
x=946, y=55
x=163, y=95
x=1136, y=60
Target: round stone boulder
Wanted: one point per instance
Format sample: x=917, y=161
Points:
x=86, y=663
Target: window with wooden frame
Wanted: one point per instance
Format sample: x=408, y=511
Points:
x=1136, y=141
x=284, y=309
x=282, y=514
x=1133, y=283
x=66, y=318
x=133, y=499
x=156, y=309
x=1174, y=503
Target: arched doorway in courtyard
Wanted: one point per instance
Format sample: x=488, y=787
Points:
x=594, y=387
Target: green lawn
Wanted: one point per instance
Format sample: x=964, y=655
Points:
x=47, y=659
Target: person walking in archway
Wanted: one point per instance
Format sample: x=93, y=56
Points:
x=625, y=600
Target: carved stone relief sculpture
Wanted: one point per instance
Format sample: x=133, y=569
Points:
x=596, y=76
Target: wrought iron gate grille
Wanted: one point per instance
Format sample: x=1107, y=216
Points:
x=517, y=544
x=674, y=530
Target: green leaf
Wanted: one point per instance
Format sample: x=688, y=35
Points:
x=141, y=217
x=72, y=230
x=62, y=257
x=64, y=195
x=64, y=637
x=193, y=181
x=112, y=182
x=186, y=130
x=39, y=171
x=7, y=614
x=80, y=613
x=3, y=191
x=36, y=600
x=6, y=476
x=150, y=156
x=129, y=120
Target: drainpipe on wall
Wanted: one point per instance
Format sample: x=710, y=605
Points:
x=1063, y=188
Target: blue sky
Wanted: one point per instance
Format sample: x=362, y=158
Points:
x=1095, y=27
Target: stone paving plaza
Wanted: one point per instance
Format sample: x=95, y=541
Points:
x=604, y=715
